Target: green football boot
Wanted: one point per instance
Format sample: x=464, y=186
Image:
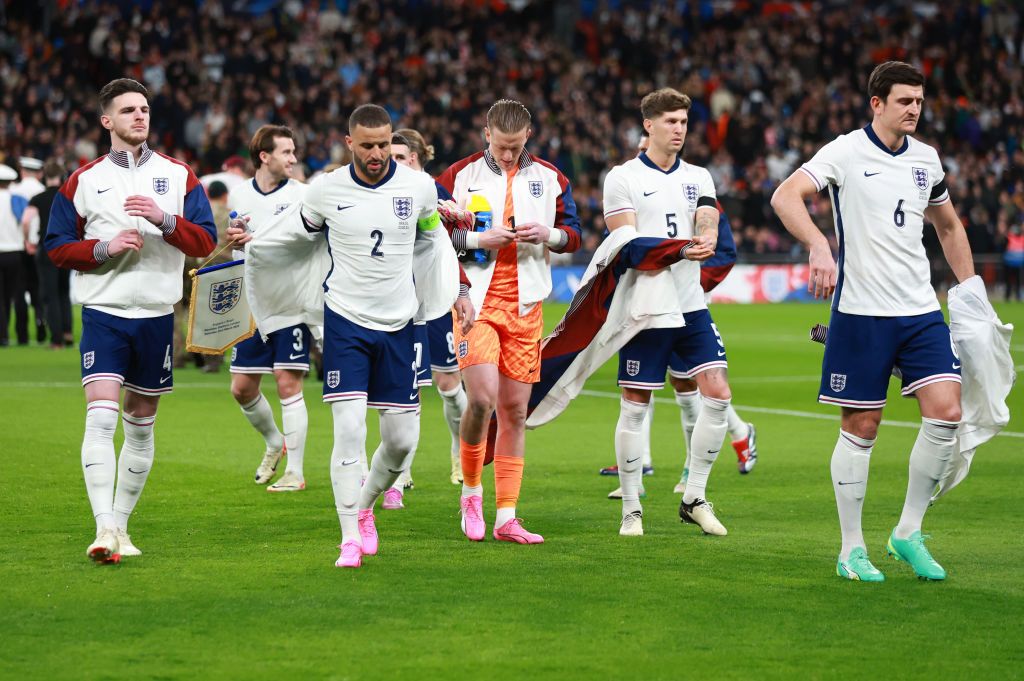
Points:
x=912, y=550
x=857, y=567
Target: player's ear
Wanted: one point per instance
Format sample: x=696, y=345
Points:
x=348, y=141
x=487, y=134
x=106, y=122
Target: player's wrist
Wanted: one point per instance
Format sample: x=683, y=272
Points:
x=557, y=238
x=168, y=224
x=101, y=251
x=464, y=291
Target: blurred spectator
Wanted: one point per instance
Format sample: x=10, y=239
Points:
x=54, y=283
x=1013, y=261
x=770, y=82
x=12, y=251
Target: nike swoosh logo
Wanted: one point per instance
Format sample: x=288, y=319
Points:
x=855, y=482
x=633, y=460
x=349, y=462
x=346, y=207
x=649, y=193
x=132, y=470
x=413, y=396
x=100, y=191
x=164, y=379
x=721, y=353
x=956, y=366
x=392, y=470
x=714, y=451
x=474, y=190
x=290, y=356
x=92, y=464
x=867, y=174
x=450, y=360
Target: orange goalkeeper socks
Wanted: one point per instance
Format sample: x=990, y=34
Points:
x=508, y=478
x=472, y=462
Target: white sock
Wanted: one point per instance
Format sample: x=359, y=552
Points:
x=472, y=490
x=295, y=422
x=738, y=428
x=399, y=432
x=503, y=515
x=454, y=402
x=629, y=452
x=708, y=434
x=262, y=419
x=133, y=465
x=98, y=460
x=645, y=430
x=689, y=410
x=349, y=445
x=929, y=460
x=850, y=461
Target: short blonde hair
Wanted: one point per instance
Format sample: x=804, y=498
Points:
x=508, y=116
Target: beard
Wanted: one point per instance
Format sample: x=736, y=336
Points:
x=132, y=137
x=365, y=170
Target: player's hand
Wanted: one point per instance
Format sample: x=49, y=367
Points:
x=139, y=206
x=453, y=216
x=701, y=248
x=30, y=247
x=126, y=240
x=823, y=272
x=238, y=231
x=532, y=233
x=465, y=313
x=496, y=238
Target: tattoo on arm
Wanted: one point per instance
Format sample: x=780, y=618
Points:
x=707, y=223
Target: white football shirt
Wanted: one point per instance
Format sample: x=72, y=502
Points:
x=665, y=203
x=878, y=201
x=371, y=231
x=247, y=200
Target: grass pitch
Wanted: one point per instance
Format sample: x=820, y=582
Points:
x=238, y=583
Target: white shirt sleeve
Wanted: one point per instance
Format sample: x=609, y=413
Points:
x=707, y=186
x=617, y=198
x=311, y=213
x=828, y=165
x=940, y=194
x=428, y=218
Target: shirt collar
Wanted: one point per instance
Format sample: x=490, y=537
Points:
x=870, y=132
x=524, y=161
x=121, y=157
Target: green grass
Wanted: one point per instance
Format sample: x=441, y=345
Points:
x=238, y=583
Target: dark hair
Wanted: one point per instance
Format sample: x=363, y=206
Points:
x=397, y=138
x=263, y=140
x=368, y=116
x=662, y=101
x=118, y=87
x=52, y=170
x=216, y=189
x=892, y=73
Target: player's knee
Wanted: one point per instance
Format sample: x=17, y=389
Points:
x=683, y=385
x=400, y=431
x=511, y=415
x=480, y=405
x=446, y=382
x=243, y=392
x=289, y=383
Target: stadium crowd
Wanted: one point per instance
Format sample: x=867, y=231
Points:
x=219, y=70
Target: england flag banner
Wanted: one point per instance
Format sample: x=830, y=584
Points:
x=218, y=316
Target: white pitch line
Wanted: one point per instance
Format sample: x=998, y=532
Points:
x=589, y=393
x=787, y=412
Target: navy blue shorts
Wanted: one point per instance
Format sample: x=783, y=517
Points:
x=284, y=349
x=422, y=347
x=442, y=345
x=377, y=365
x=861, y=352
x=137, y=353
x=698, y=347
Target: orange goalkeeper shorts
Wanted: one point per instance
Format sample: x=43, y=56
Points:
x=503, y=338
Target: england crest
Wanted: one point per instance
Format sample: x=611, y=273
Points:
x=632, y=367
x=536, y=189
x=333, y=379
x=920, y=178
x=403, y=207
x=224, y=295
x=161, y=185
x=692, y=191
x=463, y=349
x=88, y=359
x=837, y=382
